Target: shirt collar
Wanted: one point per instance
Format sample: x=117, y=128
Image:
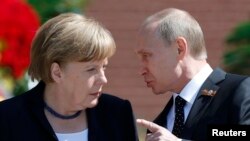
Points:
x=190, y=91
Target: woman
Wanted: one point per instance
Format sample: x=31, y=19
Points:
x=69, y=56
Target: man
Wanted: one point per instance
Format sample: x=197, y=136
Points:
x=173, y=59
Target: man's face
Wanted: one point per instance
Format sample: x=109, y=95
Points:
x=159, y=63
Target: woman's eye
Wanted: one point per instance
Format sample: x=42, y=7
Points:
x=91, y=69
x=104, y=67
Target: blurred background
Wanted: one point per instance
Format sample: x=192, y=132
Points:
x=225, y=23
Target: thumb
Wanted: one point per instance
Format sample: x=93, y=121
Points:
x=149, y=125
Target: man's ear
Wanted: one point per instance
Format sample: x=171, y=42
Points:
x=182, y=47
x=55, y=72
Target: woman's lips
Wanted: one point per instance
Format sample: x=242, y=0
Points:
x=96, y=94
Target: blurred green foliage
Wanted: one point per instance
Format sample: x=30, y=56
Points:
x=51, y=8
x=21, y=85
x=237, y=55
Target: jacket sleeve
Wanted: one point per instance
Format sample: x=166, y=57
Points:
x=241, y=102
x=4, y=120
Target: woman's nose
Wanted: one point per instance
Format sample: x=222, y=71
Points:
x=102, y=78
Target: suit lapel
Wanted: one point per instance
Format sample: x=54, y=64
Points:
x=162, y=118
x=94, y=129
x=202, y=102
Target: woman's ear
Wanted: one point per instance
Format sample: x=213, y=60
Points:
x=182, y=47
x=55, y=72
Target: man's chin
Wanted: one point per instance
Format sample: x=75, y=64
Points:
x=157, y=92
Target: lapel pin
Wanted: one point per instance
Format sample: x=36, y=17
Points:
x=206, y=92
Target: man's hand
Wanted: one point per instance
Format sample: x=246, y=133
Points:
x=158, y=133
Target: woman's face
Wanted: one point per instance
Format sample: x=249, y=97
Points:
x=82, y=82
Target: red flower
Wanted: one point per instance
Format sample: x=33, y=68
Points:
x=18, y=24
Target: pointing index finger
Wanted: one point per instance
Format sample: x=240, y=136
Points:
x=149, y=125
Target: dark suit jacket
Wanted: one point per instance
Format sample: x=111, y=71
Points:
x=22, y=118
x=230, y=105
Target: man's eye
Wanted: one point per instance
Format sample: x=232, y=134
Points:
x=144, y=56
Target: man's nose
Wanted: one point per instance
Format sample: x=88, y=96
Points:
x=143, y=71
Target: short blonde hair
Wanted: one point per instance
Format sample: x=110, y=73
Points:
x=171, y=23
x=68, y=37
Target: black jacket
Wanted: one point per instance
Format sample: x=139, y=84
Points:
x=229, y=106
x=22, y=118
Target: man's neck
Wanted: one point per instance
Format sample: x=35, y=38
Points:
x=193, y=68
x=188, y=72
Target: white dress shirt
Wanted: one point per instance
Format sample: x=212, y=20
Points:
x=78, y=136
x=189, y=93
